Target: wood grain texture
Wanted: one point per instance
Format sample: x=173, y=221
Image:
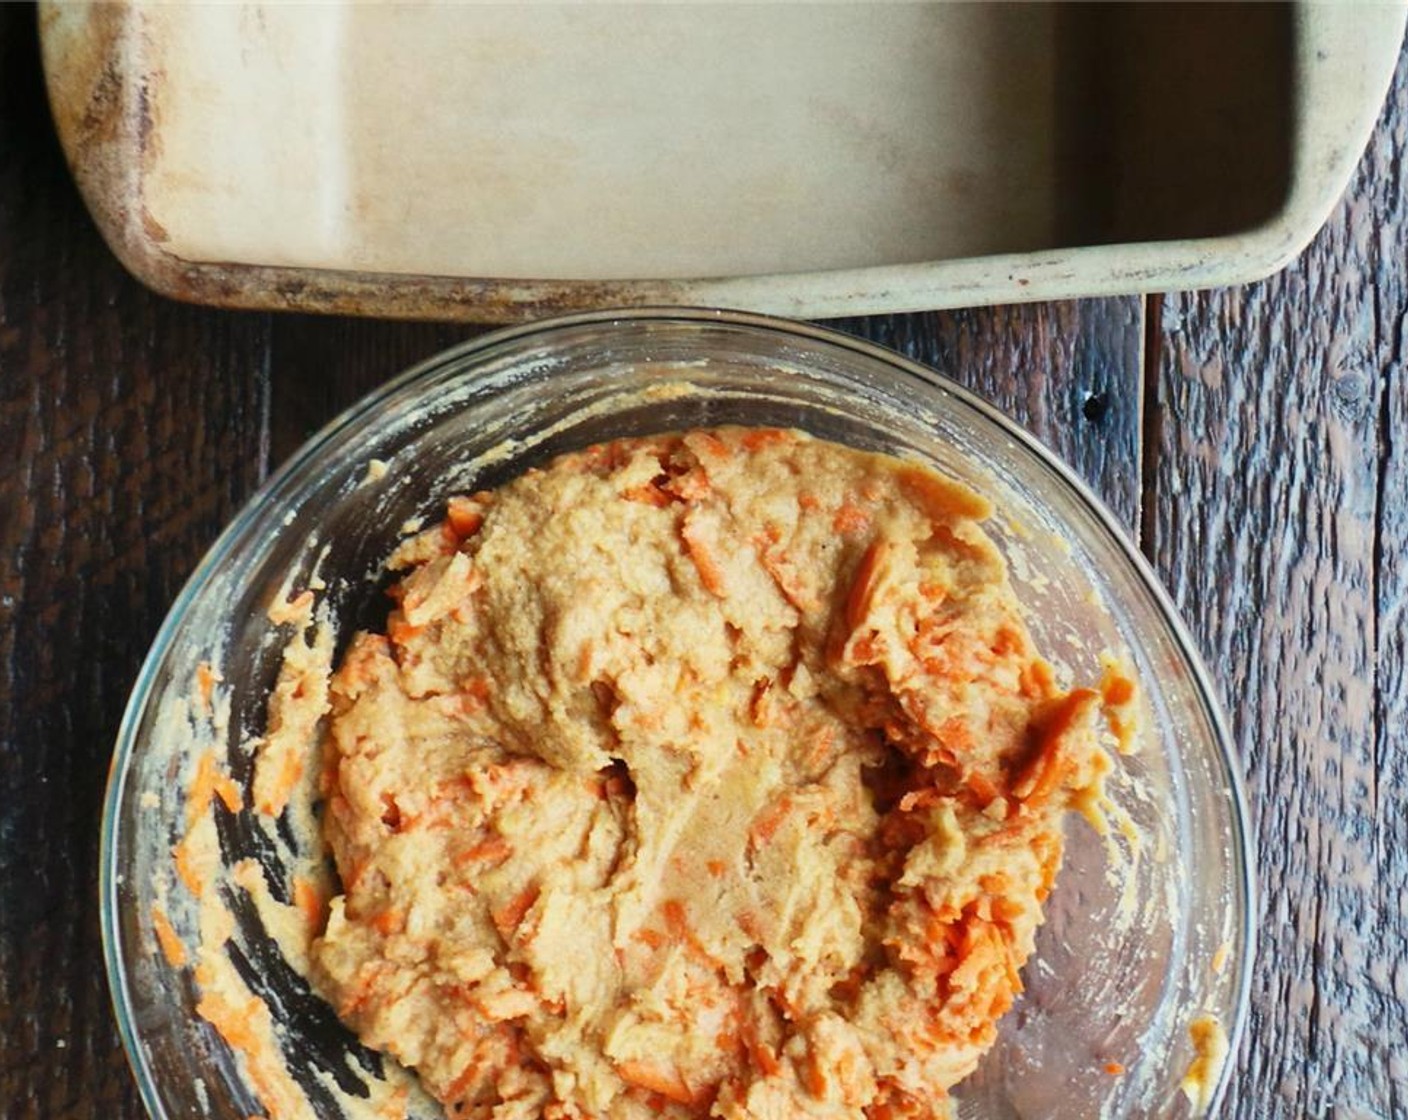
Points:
x=1070, y=372
x=324, y=365
x=130, y=430
x=1276, y=507
x=1279, y=518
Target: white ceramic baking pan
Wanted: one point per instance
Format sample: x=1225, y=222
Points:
x=501, y=161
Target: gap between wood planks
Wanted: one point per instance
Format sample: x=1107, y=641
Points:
x=1150, y=419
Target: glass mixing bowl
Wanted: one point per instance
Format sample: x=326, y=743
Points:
x=1141, y=939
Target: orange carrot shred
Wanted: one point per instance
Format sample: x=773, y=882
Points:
x=710, y=574
x=172, y=947
x=399, y=630
x=493, y=850
x=1118, y=690
x=186, y=869
x=647, y=494
x=940, y=498
x=769, y=821
x=651, y=937
x=668, y=1083
x=509, y=916
x=306, y=898
x=850, y=519
x=866, y=582
x=206, y=679
x=755, y=439
x=464, y=516
x=202, y=787
x=1044, y=769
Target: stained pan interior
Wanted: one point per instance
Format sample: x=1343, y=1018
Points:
x=658, y=141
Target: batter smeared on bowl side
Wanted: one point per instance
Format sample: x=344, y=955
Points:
x=698, y=775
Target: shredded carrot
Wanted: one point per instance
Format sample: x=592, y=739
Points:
x=461, y=1084
x=493, y=850
x=1005, y=641
x=308, y=900
x=1114, y=1069
x=1036, y=680
x=206, y=680
x=765, y=1058
x=758, y=707
x=668, y=1083
x=354, y=999
x=676, y=920
x=919, y=799
x=651, y=937
x=172, y=947
x=202, y=787
x=399, y=630
x=707, y=445
x=464, y=516
x=692, y=486
x=390, y=921
x=983, y=790
x=866, y=582
x=207, y=783
x=477, y=688
x=648, y=494
x=229, y=793
x=710, y=574
x=813, y=1076
x=820, y=749
x=1047, y=764
x=1117, y=689
x=755, y=439
x=363, y=654
x=777, y=564
x=232, y=1018
x=850, y=519
x=941, y=499
x=956, y=736
x=936, y=591
x=186, y=868
x=509, y=916
x=769, y=821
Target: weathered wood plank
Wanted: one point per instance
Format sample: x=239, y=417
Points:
x=130, y=430
x=323, y=365
x=1278, y=520
x=1385, y=933
x=1071, y=373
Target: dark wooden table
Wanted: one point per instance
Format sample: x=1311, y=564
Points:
x=1254, y=441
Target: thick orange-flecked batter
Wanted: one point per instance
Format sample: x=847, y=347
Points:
x=698, y=775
